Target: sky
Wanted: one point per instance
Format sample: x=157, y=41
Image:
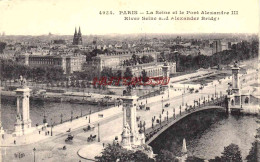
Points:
x=37, y=17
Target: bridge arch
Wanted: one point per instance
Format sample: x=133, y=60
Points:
x=171, y=123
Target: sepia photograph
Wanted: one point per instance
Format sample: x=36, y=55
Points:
x=129, y=81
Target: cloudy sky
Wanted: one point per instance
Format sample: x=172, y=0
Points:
x=36, y=17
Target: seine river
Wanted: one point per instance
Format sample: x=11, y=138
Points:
x=52, y=111
x=207, y=133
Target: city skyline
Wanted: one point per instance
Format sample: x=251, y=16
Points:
x=33, y=17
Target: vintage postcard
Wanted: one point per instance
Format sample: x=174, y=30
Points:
x=129, y=80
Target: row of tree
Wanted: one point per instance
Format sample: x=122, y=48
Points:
x=114, y=152
x=11, y=70
x=240, y=51
x=138, y=60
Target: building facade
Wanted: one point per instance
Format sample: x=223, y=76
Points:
x=116, y=60
x=151, y=69
x=69, y=63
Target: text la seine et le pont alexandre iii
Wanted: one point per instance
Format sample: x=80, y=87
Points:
x=163, y=15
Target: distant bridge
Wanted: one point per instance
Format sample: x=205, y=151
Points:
x=153, y=132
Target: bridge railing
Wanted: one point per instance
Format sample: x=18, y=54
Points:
x=150, y=132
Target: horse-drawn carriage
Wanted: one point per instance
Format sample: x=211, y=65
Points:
x=90, y=127
x=167, y=105
x=141, y=107
x=69, y=138
x=91, y=138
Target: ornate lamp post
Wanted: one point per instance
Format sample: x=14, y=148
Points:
x=173, y=113
x=215, y=91
x=34, y=149
x=144, y=126
x=44, y=117
x=182, y=99
x=98, y=133
x=89, y=115
x=51, y=126
x=152, y=122
x=160, y=119
x=71, y=115
x=61, y=118
x=162, y=102
x=81, y=112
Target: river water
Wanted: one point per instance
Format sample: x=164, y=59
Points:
x=207, y=133
x=52, y=111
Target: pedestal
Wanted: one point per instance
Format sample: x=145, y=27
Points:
x=18, y=129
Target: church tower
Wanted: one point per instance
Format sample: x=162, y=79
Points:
x=75, y=38
x=79, y=37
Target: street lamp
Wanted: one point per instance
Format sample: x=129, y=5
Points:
x=167, y=115
x=162, y=102
x=51, y=126
x=71, y=115
x=44, y=117
x=215, y=90
x=182, y=99
x=152, y=122
x=61, y=118
x=160, y=119
x=144, y=126
x=81, y=112
x=180, y=110
x=98, y=133
x=174, y=113
x=34, y=149
x=89, y=115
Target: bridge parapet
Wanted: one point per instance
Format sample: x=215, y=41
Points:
x=154, y=131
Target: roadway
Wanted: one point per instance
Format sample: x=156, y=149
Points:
x=50, y=150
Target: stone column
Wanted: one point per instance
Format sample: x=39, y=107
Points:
x=23, y=121
x=166, y=74
x=129, y=115
x=235, y=79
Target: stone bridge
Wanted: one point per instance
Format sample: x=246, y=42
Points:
x=153, y=132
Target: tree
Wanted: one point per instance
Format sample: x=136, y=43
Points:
x=118, y=153
x=194, y=159
x=128, y=74
x=217, y=159
x=231, y=153
x=144, y=76
x=140, y=156
x=135, y=59
x=2, y=46
x=107, y=72
x=252, y=157
x=147, y=59
x=166, y=155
